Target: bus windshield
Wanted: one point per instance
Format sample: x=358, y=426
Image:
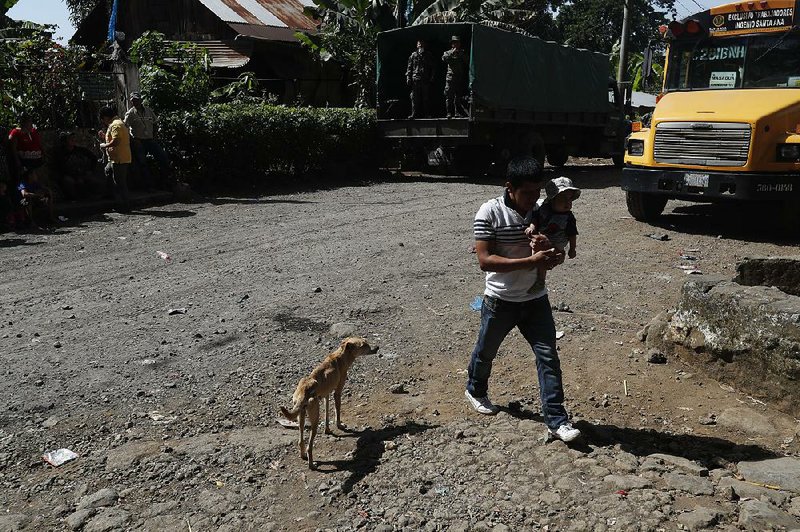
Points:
x=756, y=61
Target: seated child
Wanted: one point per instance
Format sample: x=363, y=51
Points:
x=554, y=219
x=35, y=196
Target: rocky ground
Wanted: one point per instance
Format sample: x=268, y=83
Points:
x=165, y=376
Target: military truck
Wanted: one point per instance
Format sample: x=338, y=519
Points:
x=525, y=96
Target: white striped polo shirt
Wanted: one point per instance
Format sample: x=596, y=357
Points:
x=496, y=221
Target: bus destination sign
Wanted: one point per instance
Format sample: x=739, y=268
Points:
x=741, y=21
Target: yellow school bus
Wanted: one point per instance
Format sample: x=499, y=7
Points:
x=727, y=126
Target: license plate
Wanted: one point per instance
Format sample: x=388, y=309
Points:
x=696, y=180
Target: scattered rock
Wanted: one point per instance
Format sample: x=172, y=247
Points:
x=745, y=420
x=782, y=472
x=627, y=482
x=342, y=329
x=654, y=356
x=124, y=456
x=108, y=520
x=98, y=499
x=710, y=419
x=758, y=516
x=398, y=388
x=681, y=463
x=76, y=520
x=699, y=518
x=13, y=522
x=317, y=290
x=745, y=490
x=689, y=484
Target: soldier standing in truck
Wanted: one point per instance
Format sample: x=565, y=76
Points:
x=456, y=81
x=419, y=76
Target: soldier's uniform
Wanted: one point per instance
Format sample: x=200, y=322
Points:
x=419, y=76
x=455, y=86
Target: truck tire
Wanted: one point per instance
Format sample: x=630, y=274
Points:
x=645, y=207
x=557, y=155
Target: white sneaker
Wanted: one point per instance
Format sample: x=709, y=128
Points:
x=482, y=405
x=565, y=432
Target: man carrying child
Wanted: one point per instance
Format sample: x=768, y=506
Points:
x=504, y=253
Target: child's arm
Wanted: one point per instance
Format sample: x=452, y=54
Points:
x=572, y=242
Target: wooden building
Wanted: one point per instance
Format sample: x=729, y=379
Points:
x=240, y=36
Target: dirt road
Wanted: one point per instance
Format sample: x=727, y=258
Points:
x=166, y=376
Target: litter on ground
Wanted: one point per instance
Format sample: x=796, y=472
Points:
x=59, y=457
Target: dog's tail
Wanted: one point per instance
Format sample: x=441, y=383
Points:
x=302, y=396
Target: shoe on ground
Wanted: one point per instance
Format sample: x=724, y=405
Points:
x=565, y=433
x=482, y=405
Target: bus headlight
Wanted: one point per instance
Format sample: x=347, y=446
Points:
x=636, y=147
x=789, y=152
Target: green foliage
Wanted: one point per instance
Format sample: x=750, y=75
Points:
x=244, y=88
x=597, y=24
x=636, y=74
x=38, y=77
x=348, y=34
x=174, y=76
x=247, y=141
x=532, y=16
x=79, y=9
x=5, y=5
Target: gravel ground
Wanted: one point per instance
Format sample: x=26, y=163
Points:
x=166, y=376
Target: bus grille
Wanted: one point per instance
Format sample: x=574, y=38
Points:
x=702, y=143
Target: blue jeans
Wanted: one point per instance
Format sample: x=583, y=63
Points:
x=535, y=321
x=144, y=147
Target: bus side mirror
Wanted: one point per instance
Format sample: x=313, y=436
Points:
x=647, y=64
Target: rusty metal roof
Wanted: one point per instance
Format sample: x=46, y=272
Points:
x=275, y=13
x=227, y=54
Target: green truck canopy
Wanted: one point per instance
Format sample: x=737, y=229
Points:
x=508, y=70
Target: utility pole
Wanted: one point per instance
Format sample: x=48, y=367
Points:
x=622, y=70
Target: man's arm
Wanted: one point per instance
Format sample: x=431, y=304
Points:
x=491, y=262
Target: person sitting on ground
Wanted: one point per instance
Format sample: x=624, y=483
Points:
x=36, y=197
x=26, y=150
x=554, y=219
x=75, y=167
x=142, y=123
x=116, y=142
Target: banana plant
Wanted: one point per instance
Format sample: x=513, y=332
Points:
x=514, y=15
x=348, y=35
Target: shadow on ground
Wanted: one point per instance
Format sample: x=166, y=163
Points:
x=368, y=452
x=163, y=214
x=753, y=222
x=710, y=451
x=17, y=242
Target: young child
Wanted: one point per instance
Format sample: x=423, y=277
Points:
x=35, y=196
x=554, y=219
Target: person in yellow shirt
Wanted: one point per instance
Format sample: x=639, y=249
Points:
x=117, y=143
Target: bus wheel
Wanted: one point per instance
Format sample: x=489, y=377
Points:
x=557, y=155
x=645, y=207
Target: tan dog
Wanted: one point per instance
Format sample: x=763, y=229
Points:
x=328, y=377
